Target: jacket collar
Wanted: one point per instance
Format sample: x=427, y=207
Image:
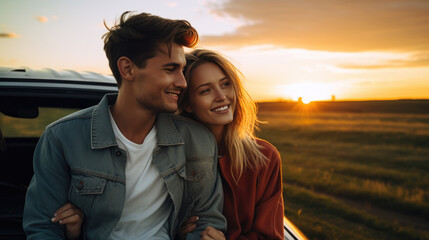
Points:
x=102, y=135
x=167, y=133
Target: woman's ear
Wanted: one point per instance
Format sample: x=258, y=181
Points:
x=125, y=67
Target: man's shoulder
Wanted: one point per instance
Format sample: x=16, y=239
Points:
x=187, y=126
x=76, y=116
x=185, y=122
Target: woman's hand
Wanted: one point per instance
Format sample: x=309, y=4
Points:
x=72, y=217
x=188, y=226
x=211, y=233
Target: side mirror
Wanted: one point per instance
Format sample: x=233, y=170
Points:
x=19, y=109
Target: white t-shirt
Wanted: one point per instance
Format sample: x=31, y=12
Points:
x=147, y=205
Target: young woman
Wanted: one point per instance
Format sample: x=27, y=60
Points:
x=250, y=167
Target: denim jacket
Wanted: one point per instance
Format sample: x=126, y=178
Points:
x=77, y=160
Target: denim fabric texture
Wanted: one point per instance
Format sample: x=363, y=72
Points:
x=77, y=160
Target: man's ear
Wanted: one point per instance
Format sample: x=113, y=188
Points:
x=125, y=67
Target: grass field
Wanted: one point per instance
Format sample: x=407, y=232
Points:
x=353, y=175
x=346, y=175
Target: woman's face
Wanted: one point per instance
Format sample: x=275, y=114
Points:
x=211, y=96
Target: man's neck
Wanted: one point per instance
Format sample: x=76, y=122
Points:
x=133, y=121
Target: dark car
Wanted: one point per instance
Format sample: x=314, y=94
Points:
x=29, y=101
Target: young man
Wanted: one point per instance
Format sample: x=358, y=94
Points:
x=133, y=168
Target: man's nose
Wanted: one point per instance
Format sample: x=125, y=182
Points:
x=180, y=81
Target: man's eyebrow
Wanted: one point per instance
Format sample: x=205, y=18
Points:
x=171, y=64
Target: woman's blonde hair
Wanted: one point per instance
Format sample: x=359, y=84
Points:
x=239, y=137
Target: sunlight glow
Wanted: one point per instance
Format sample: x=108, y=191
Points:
x=308, y=92
x=277, y=65
x=306, y=101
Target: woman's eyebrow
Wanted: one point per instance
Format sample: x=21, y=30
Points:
x=206, y=84
x=203, y=85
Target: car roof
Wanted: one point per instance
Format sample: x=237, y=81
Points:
x=51, y=88
x=45, y=81
x=47, y=74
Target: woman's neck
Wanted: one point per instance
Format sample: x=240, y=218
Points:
x=219, y=134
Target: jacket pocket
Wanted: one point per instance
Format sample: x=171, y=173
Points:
x=84, y=189
x=195, y=176
x=190, y=174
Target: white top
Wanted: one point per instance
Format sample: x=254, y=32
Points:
x=147, y=205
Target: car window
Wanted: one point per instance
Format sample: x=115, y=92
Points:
x=32, y=127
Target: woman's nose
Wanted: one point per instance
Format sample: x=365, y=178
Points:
x=220, y=95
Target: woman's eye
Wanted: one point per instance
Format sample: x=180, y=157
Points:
x=204, y=91
x=226, y=84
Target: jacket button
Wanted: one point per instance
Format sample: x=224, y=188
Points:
x=118, y=153
x=80, y=186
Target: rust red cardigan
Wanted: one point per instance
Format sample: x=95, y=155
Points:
x=254, y=206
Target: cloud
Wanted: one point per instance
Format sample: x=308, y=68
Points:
x=41, y=19
x=418, y=60
x=329, y=25
x=8, y=35
x=172, y=4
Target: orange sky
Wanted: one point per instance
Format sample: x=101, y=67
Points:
x=376, y=49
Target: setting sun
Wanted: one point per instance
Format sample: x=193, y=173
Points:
x=306, y=54
x=308, y=92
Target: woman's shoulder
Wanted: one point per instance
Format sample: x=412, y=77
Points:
x=265, y=145
x=273, y=160
x=269, y=150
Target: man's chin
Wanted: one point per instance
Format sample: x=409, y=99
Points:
x=171, y=109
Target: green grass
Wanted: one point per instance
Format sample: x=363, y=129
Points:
x=346, y=175
x=32, y=127
x=353, y=176
x=326, y=217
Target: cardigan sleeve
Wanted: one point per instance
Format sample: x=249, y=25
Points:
x=268, y=221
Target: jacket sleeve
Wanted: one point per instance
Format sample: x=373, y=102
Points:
x=209, y=206
x=268, y=221
x=47, y=190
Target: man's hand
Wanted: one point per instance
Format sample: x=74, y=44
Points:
x=211, y=233
x=72, y=217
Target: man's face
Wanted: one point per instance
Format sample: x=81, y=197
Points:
x=157, y=86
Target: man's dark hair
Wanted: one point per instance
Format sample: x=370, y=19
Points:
x=138, y=37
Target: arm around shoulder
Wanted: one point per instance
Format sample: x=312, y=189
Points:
x=209, y=205
x=47, y=190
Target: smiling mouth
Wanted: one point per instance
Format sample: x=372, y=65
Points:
x=173, y=93
x=219, y=109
